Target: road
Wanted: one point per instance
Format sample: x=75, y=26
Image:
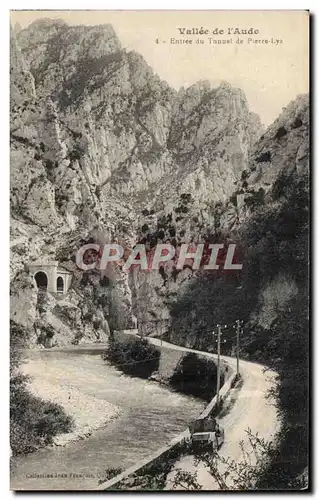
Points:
x=249, y=408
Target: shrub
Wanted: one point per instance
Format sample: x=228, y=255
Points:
x=281, y=132
x=110, y=473
x=297, y=123
x=77, y=153
x=105, y=281
x=186, y=197
x=195, y=376
x=233, y=199
x=256, y=198
x=244, y=175
x=33, y=421
x=137, y=358
x=264, y=157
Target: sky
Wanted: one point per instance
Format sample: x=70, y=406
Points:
x=271, y=74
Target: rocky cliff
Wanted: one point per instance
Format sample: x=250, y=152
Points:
x=102, y=149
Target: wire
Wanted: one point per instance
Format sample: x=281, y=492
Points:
x=199, y=330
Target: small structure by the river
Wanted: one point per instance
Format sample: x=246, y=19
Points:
x=51, y=277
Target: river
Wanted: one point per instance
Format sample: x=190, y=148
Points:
x=151, y=416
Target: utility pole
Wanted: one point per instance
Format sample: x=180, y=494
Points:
x=237, y=344
x=161, y=333
x=219, y=329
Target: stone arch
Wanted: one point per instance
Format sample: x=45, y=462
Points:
x=41, y=280
x=60, y=284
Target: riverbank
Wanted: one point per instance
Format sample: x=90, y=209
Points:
x=89, y=413
x=151, y=416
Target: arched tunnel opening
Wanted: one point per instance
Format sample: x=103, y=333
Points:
x=60, y=284
x=41, y=280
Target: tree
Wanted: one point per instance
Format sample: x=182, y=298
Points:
x=243, y=474
x=184, y=480
x=137, y=357
x=33, y=421
x=196, y=376
x=228, y=473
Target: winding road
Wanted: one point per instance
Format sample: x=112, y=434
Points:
x=248, y=407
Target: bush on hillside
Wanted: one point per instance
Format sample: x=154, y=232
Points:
x=289, y=350
x=33, y=421
x=196, y=376
x=276, y=243
x=137, y=358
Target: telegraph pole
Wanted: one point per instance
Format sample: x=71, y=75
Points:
x=162, y=333
x=218, y=364
x=237, y=344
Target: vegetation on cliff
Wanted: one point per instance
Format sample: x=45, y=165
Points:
x=274, y=282
x=33, y=421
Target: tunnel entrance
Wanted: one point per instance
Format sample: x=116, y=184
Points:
x=41, y=280
x=60, y=285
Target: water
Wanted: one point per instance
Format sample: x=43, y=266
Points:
x=152, y=416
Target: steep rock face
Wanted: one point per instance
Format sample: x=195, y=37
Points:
x=283, y=148
x=55, y=205
x=279, y=157
x=267, y=215
x=112, y=110
x=211, y=134
x=130, y=133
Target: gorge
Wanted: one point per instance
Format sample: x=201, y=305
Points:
x=104, y=151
